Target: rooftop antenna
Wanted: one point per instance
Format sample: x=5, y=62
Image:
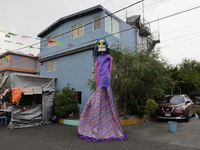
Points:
x=143, y=10
x=158, y=29
x=126, y=14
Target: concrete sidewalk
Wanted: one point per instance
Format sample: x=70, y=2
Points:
x=150, y=135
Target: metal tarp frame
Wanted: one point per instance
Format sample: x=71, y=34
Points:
x=20, y=80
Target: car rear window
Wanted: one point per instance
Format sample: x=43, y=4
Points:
x=174, y=100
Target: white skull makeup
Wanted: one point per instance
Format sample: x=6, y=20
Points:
x=101, y=46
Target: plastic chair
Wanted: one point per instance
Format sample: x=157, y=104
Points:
x=4, y=117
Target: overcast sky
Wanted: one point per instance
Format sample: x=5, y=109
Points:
x=179, y=35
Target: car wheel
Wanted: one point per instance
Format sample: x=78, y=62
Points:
x=193, y=115
x=187, y=116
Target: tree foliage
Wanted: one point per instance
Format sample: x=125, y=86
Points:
x=137, y=77
x=186, y=77
x=66, y=102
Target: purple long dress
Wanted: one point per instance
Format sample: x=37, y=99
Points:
x=100, y=119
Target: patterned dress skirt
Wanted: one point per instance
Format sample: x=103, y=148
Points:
x=100, y=119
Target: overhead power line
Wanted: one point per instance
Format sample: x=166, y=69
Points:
x=175, y=14
x=181, y=36
x=87, y=23
x=92, y=22
x=181, y=29
x=112, y=34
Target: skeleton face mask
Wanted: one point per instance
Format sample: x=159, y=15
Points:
x=101, y=46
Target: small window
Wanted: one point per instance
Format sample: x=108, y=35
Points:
x=112, y=25
x=51, y=66
x=108, y=24
x=77, y=30
x=79, y=97
x=52, y=38
x=97, y=22
x=2, y=75
x=115, y=27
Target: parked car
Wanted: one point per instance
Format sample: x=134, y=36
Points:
x=175, y=107
x=195, y=98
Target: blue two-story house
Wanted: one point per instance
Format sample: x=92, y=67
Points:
x=67, y=52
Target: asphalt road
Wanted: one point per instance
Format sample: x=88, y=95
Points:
x=150, y=135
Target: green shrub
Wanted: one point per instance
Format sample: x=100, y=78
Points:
x=137, y=107
x=66, y=102
x=197, y=110
x=151, y=107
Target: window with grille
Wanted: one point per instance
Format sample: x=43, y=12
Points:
x=77, y=30
x=97, y=22
x=53, y=37
x=112, y=25
x=51, y=66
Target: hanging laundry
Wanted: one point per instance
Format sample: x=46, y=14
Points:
x=7, y=35
x=19, y=43
x=2, y=31
x=2, y=59
x=60, y=43
x=8, y=57
x=16, y=94
x=20, y=52
x=10, y=60
x=69, y=45
x=7, y=50
x=17, y=58
x=49, y=41
x=31, y=47
x=8, y=41
x=13, y=34
x=31, y=54
x=23, y=58
x=40, y=39
x=23, y=36
x=1, y=63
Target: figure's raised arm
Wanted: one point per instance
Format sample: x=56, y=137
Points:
x=96, y=73
x=110, y=65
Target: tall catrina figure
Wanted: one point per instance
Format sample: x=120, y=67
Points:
x=100, y=119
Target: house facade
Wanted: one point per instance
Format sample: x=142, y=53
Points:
x=11, y=62
x=67, y=52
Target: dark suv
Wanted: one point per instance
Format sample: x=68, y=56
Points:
x=175, y=107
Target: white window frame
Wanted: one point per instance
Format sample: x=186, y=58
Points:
x=51, y=66
x=97, y=19
x=110, y=25
x=53, y=37
x=76, y=30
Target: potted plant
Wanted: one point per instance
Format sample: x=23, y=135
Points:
x=197, y=111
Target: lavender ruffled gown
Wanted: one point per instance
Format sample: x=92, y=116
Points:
x=100, y=119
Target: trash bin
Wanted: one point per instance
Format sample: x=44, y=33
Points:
x=172, y=126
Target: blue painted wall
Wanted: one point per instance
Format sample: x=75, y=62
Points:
x=76, y=68
x=73, y=69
